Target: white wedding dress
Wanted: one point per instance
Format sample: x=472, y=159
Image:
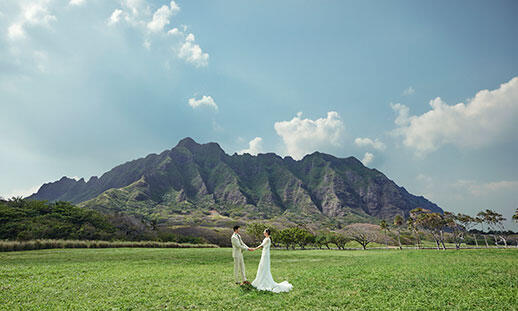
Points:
x=264, y=279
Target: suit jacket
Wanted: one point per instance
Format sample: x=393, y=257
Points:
x=237, y=245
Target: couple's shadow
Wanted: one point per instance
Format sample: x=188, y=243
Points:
x=248, y=288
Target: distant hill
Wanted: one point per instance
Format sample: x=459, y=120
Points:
x=200, y=184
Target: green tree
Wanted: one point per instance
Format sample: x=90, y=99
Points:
x=494, y=222
x=413, y=224
x=515, y=216
x=451, y=222
x=33, y=219
x=256, y=230
x=302, y=236
x=481, y=220
x=467, y=223
x=323, y=238
x=434, y=223
x=287, y=237
x=362, y=234
x=339, y=239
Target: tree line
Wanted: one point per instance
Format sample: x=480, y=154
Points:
x=420, y=224
x=25, y=220
x=459, y=226
x=301, y=236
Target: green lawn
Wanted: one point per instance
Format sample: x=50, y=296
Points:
x=201, y=279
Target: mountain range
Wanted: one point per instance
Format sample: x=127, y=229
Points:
x=200, y=184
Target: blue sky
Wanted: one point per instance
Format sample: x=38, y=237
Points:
x=425, y=92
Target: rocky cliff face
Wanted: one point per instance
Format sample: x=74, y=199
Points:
x=201, y=176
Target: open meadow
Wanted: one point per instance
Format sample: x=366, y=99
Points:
x=201, y=279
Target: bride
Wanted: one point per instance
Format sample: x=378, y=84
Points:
x=264, y=279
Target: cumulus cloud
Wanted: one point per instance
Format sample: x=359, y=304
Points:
x=139, y=15
x=255, y=146
x=36, y=13
x=76, y=2
x=174, y=32
x=408, y=91
x=487, y=118
x=15, y=31
x=161, y=17
x=367, y=158
x=303, y=136
x=192, y=53
x=367, y=142
x=115, y=17
x=204, y=101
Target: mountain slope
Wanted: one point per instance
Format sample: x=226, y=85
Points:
x=193, y=179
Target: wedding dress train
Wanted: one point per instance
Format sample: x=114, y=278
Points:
x=264, y=279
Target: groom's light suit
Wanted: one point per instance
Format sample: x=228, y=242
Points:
x=237, y=252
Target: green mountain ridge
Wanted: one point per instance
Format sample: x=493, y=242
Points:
x=199, y=183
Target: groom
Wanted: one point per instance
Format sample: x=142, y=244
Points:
x=239, y=265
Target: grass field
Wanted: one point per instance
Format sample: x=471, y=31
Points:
x=201, y=279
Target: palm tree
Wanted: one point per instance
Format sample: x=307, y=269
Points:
x=384, y=227
x=398, y=223
x=515, y=216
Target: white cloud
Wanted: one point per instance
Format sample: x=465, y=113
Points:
x=255, y=146
x=76, y=2
x=479, y=189
x=402, y=114
x=204, y=101
x=15, y=31
x=133, y=12
x=408, y=91
x=192, y=52
x=367, y=158
x=161, y=17
x=303, y=136
x=367, y=142
x=487, y=118
x=174, y=32
x=36, y=13
x=137, y=14
x=115, y=17
x=135, y=8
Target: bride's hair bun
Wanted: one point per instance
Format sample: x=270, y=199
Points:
x=267, y=231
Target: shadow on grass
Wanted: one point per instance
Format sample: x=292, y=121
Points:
x=249, y=289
